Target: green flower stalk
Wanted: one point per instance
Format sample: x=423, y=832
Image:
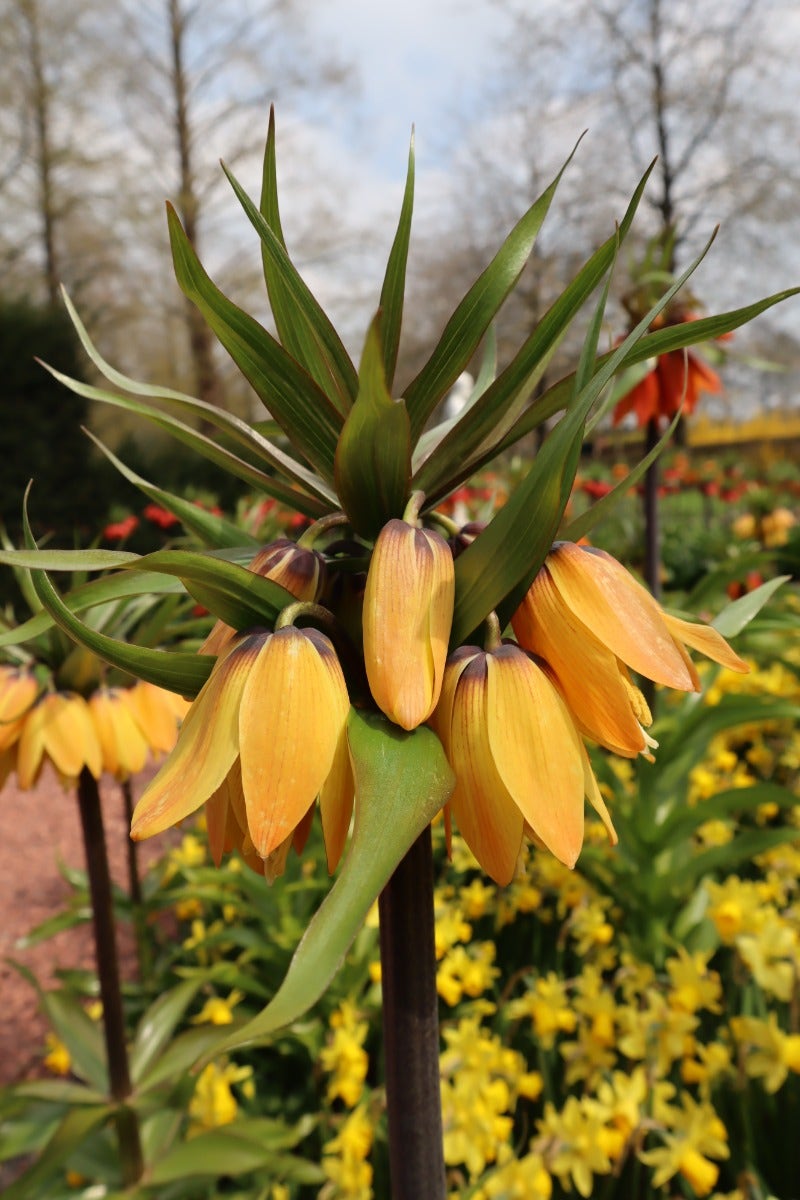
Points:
x=349, y=669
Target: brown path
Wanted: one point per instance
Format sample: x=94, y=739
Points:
x=37, y=829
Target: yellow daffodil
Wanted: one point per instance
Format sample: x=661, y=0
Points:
x=264, y=737
x=300, y=571
x=589, y=619
x=408, y=611
x=58, y=728
x=519, y=762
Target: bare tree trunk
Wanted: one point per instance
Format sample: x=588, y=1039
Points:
x=200, y=339
x=40, y=97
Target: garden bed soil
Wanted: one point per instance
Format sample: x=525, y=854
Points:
x=38, y=830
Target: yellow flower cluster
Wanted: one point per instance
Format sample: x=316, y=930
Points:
x=344, y=1057
x=213, y=1102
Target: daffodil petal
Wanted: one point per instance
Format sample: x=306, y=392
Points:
x=618, y=611
x=486, y=814
x=536, y=750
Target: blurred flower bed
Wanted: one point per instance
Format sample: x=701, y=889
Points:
x=628, y=1029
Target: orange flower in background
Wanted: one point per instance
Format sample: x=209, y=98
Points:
x=677, y=379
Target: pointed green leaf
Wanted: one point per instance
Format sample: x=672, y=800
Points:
x=299, y=406
x=475, y=312
x=158, y=1024
x=80, y=1034
x=373, y=458
x=431, y=439
x=674, y=337
x=209, y=527
x=68, y=560
x=402, y=781
x=302, y=325
x=739, y=613
x=733, y=801
x=182, y=673
x=496, y=569
x=120, y=585
x=601, y=508
x=317, y=504
x=394, y=281
x=235, y=595
x=476, y=435
x=75, y=1128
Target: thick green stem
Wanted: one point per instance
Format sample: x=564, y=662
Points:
x=411, y=1028
x=108, y=973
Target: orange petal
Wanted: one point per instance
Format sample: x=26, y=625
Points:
x=18, y=690
x=585, y=671
x=408, y=611
x=123, y=744
x=486, y=814
x=626, y=619
x=536, y=750
x=289, y=729
x=207, y=747
x=707, y=641
x=157, y=712
x=61, y=728
x=336, y=802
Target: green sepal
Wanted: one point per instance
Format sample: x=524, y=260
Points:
x=402, y=780
x=373, y=458
x=301, y=408
x=175, y=671
x=394, y=280
x=208, y=527
x=237, y=596
x=475, y=312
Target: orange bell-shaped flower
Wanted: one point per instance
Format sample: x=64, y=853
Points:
x=408, y=612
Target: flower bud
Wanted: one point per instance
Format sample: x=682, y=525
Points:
x=408, y=612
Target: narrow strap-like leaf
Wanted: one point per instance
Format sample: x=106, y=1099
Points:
x=253, y=437
x=300, y=407
x=373, y=459
x=475, y=313
x=237, y=596
x=394, y=281
x=475, y=439
x=174, y=670
x=273, y=486
x=209, y=527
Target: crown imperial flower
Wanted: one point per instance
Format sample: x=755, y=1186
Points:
x=264, y=738
x=589, y=619
x=408, y=611
x=520, y=765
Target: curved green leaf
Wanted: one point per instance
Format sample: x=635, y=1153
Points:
x=394, y=281
x=402, y=781
x=739, y=613
x=475, y=437
x=75, y=1128
x=300, y=407
x=475, y=312
x=235, y=595
x=68, y=560
x=373, y=458
x=158, y=1024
